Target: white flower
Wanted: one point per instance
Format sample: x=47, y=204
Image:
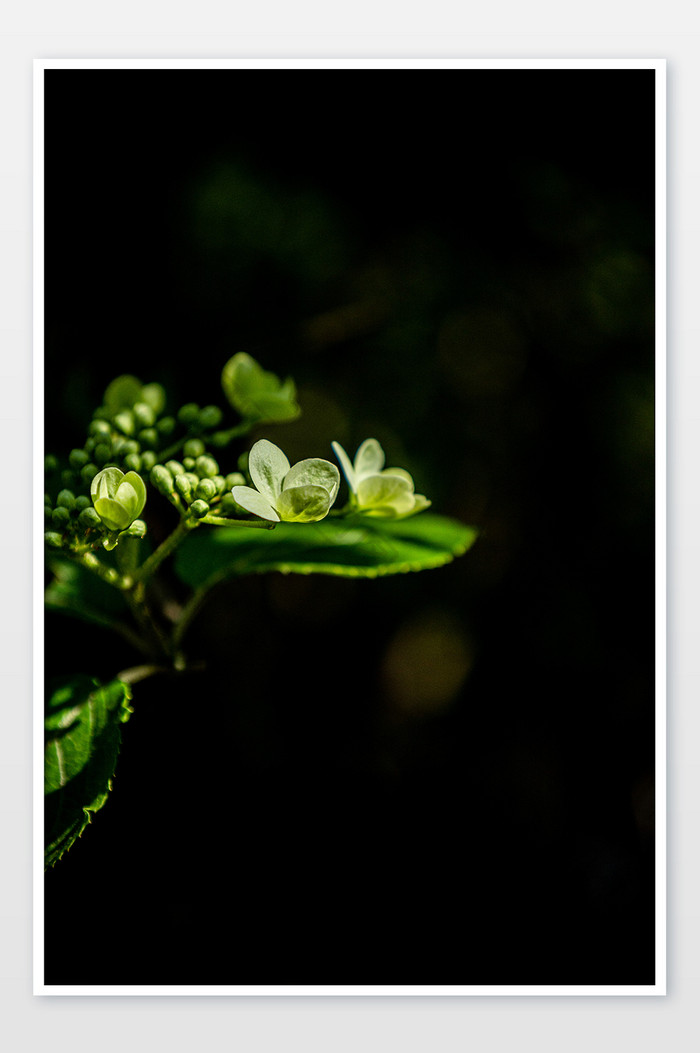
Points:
x=302, y=494
x=375, y=490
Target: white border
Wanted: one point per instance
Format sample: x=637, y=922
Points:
x=381, y=990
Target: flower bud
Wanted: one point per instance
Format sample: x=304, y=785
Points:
x=148, y=460
x=175, y=468
x=188, y=463
x=206, y=489
x=143, y=415
x=66, y=499
x=229, y=507
x=162, y=479
x=166, y=426
x=188, y=413
x=193, y=448
x=77, y=458
x=100, y=428
x=132, y=461
x=82, y=502
x=219, y=482
x=199, y=509
x=60, y=517
x=206, y=466
x=234, y=479
x=210, y=417
x=154, y=396
x=243, y=461
x=88, y=473
x=118, y=498
x=50, y=463
x=67, y=477
x=183, y=486
x=102, y=453
x=53, y=540
x=137, y=529
x=89, y=519
x=124, y=420
x=148, y=438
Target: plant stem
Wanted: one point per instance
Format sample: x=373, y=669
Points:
x=147, y=569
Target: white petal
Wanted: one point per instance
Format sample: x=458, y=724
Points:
x=345, y=464
x=401, y=473
x=267, y=466
x=369, y=459
x=385, y=495
x=314, y=471
x=254, y=502
x=303, y=504
x=105, y=483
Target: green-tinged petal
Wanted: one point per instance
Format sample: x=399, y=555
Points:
x=254, y=502
x=314, y=471
x=303, y=504
x=267, y=466
x=257, y=394
x=401, y=473
x=134, y=480
x=112, y=513
x=106, y=483
x=345, y=464
x=275, y=407
x=385, y=495
x=420, y=504
x=369, y=459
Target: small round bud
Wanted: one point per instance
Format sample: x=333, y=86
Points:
x=101, y=413
x=199, y=509
x=67, y=477
x=175, y=468
x=183, y=486
x=210, y=417
x=130, y=446
x=188, y=413
x=166, y=426
x=88, y=473
x=219, y=439
x=243, y=461
x=100, y=428
x=82, y=502
x=48, y=511
x=206, y=466
x=219, y=482
x=162, y=479
x=234, y=479
x=148, y=459
x=77, y=458
x=193, y=478
x=137, y=529
x=60, y=517
x=50, y=463
x=90, y=445
x=133, y=461
x=229, y=507
x=143, y=415
x=102, y=453
x=148, y=438
x=154, y=396
x=124, y=420
x=193, y=448
x=188, y=462
x=52, y=539
x=206, y=489
x=66, y=499
x=89, y=519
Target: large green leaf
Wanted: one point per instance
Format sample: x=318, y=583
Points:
x=82, y=738
x=357, y=547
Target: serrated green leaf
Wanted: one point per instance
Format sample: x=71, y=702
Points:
x=356, y=547
x=82, y=739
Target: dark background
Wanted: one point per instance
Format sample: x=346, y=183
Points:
x=441, y=778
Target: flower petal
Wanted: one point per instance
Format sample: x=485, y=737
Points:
x=134, y=480
x=369, y=459
x=267, y=466
x=314, y=471
x=401, y=473
x=303, y=504
x=105, y=483
x=254, y=502
x=385, y=495
x=112, y=513
x=345, y=464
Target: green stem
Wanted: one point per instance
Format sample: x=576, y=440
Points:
x=257, y=524
x=147, y=569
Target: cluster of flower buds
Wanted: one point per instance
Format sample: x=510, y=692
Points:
x=195, y=483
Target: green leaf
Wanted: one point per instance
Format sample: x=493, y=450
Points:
x=76, y=591
x=356, y=547
x=82, y=739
